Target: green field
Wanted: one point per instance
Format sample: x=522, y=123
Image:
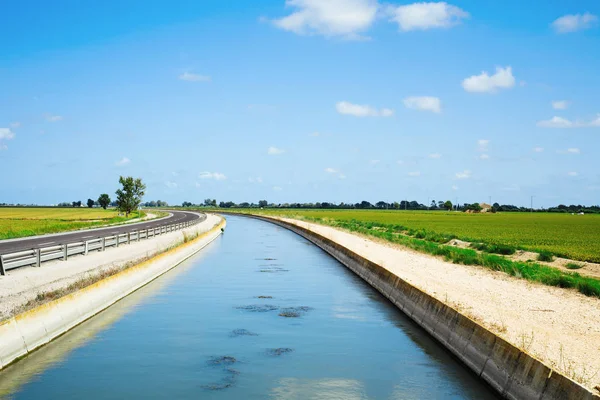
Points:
x=18, y=222
x=572, y=236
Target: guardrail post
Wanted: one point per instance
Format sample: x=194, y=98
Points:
x=128, y=237
x=103, y=243
x=138, y=235
x=65, y=255
x=38, y=257
x=2, y=271
x=117, y=240
x=86, y=248
x=146, y=233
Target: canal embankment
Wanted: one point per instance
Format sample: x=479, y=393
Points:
x=111, y=275
x=524, y=339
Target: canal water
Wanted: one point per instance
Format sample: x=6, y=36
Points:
x=259, y=313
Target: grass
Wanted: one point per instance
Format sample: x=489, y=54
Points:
x=545, y=256
x=574, y=265
x=576, y=237
x=420, y=241
x=22, y=222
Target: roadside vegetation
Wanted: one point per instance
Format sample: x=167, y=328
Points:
x=23, y=222
x=575, y=237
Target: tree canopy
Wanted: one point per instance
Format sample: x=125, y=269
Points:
x=104, y=200
x=129, y=197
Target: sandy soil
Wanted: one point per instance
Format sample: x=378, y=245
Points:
x=23, y=284
x=558, y=326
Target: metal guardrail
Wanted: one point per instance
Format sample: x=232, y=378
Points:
x=35, y=257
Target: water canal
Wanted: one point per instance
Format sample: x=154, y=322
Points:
x=260, y=313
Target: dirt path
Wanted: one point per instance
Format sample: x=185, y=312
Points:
x=559, y=326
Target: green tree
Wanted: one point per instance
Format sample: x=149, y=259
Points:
x=90, y=203
x=104, y=200
x=130, y=195
x=263, y=203
x=448, y=205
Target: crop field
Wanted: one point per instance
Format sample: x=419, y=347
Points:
x=571, y=236
x=20, y=222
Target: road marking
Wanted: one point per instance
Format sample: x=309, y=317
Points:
x=43, y=244
x=85, y=237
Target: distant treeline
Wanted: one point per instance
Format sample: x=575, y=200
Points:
x=363, y=205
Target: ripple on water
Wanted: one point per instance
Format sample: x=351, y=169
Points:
x=258, y=308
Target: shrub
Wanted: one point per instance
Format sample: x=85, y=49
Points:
x=545, y=256
x=574, y=266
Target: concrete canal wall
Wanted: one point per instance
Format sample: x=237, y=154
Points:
x=26, y=332
x=512, y=372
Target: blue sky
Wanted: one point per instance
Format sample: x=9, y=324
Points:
x=304, y=100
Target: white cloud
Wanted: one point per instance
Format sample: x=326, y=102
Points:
x=217, y=176
x=357, y=110
x=484, y=83
x=559, y=122
x=538, y=149
x=560, y=104
x=123, y=162
x=484, y=157
x=422, y=16
x=373, y=162
x=3, y=147
x=414, y=173
x=574, y=22
x=466, y=174
x=572, y=173
x=273, y=151
x=435, y=155
x=423, y=103
x=171, y=185
x=6, y=134
x=342, y=18
x=400, y=162
x=255, y=180
x=334, y=171
x=191, y=77
x=573, y=150
x=15, y=124
x=454, y=187
x=277, y=188
x=53, y=118
x=315, y=134
x=483, y=144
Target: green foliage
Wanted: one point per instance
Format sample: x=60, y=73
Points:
x=448, y=205
x=564, y=235
x=104, y=200
x=545, y=256
x=23, y=222
x=574, y=266
x=90, y=203
x=494, y=248
x=129, y=197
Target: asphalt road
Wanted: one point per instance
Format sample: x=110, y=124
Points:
x=12, y=246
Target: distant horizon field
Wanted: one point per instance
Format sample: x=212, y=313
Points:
x=570, y=236
x=17, y=222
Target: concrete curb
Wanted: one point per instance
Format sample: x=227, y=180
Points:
x=510, y=371
x=28, y=331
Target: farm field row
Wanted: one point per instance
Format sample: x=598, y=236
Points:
x=571, y=236
x=16, y=222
